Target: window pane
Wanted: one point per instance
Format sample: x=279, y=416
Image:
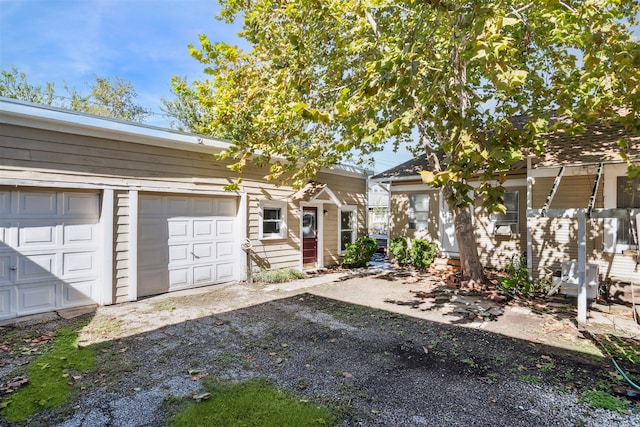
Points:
x=271, y=213
x=271, y=227
x=418, y=211
x=511, y=201
x=346, y=218
x=345, y=238
x=628, y=196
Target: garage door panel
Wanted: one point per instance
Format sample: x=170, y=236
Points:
x=38, y=204
x=77, y=293
x=150, y=206
x=153, y=281
x=203, y=229
x=75, y=264
x=179, y=254
x=4, y=233
x=224, y=228
x=36, y=267
x=152, y=256
x=224, y=249
x=5, y=203
x=6, y=262
x=152, y=231
x=79, y=234
x=36, y=235
x=224, y=272
x=81, y=205
x=179, y=278
x=226, y=207
x=177, y=206
x=203, y=274
x=6, y=295
x=204, y=206
x=38, y=298
x=178, y=229
x=203, y=252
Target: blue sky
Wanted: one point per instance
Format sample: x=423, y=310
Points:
x=143, y=41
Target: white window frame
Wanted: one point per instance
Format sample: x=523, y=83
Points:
x=412, y=206
x=501, y=221
x=273, y=204
x=610, y=240
x=354, y=225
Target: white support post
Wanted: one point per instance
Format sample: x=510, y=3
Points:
x=530, y=181
x=133, y=245
x=106, y=217
x=582, y=266
x=242, y=219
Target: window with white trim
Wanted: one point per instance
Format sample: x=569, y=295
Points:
x=273, y=219
x=418, y=211
x=627, y=197
x=347, y=227
x=508, y=221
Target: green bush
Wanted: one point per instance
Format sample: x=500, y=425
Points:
x=400, y=250
x=359, y=253
x=422, y=253
x=517, y=282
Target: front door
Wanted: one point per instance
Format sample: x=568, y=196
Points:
x=309, y=236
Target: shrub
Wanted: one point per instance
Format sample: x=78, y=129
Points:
x=517, y=282
x=400, y=250
x=422, y=253
x=359, y=253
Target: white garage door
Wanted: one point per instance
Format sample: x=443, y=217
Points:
x=185, y=241
x=48, y=250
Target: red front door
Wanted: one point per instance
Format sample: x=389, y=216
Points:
x=309, y=235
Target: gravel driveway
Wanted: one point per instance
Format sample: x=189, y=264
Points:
x=374, y=367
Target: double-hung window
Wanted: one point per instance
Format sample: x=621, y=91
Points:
x=347, y=226
x=273, y=219
x=418, y=211
x=507, y=222
x=627, y=197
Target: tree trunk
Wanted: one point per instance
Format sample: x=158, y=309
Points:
x=472, y=274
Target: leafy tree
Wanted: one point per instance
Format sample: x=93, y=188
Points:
x=13, y=84
x=186, y=112
x=325, y=79
x=108, y=97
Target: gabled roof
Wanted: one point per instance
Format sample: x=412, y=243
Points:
x=410, y=168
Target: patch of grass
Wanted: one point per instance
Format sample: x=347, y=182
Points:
x=250, y=403
x=469, y=361
x=602, y=399
x=49, y=376
x=279, y=275
x=530, y=379
x=163, y=305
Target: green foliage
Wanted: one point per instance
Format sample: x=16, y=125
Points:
x=359, y=254
x=422, y=253
x=250, y=403
x=325, y=81
x=604, y=400
x=108, y=97
x=279, y=275
x=49, y=376
x=517, y=282
x=400, y=250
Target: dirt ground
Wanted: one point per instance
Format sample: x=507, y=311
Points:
x=378, y=350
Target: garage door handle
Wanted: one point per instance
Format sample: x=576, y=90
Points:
x=196, y=256
x=13, y=268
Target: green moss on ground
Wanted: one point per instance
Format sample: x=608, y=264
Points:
x=251, y=403
x=50, y=376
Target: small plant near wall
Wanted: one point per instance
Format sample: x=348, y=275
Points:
x=359, y=254
x=422, y=253
x=400, y=250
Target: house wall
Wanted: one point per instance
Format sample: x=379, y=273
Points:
x=554, y=240
x=399, y=221
x=38, y=155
